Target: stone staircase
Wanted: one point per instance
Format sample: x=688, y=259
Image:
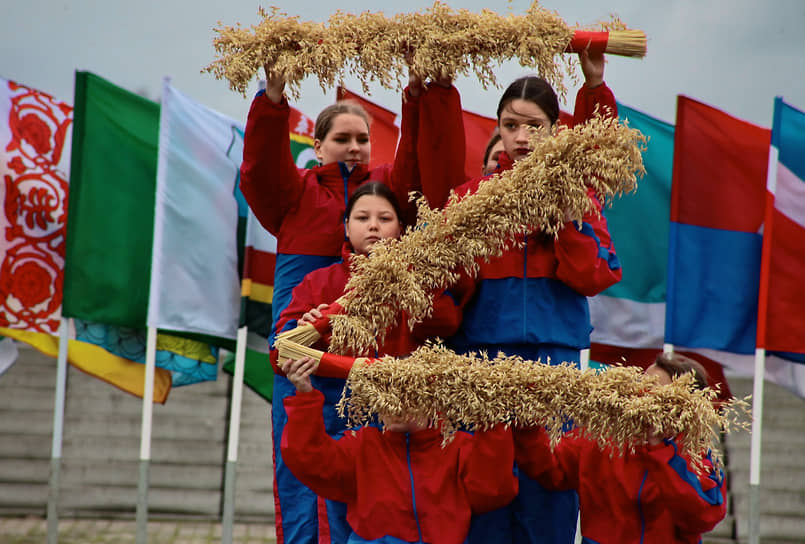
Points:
x=101, y=449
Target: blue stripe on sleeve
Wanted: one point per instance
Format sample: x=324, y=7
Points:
x=680, y=466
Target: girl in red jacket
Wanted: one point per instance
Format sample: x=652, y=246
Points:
x=651, y=495
x=304, y=209
x=373, y=214
x=399, y=484
x=532, y=300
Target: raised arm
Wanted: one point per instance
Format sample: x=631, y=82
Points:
x=269, y=178
x=441, y=145
x=594, y=93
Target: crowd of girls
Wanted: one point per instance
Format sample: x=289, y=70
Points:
x=394, y=482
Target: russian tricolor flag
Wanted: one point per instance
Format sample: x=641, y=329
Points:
x=715, y=235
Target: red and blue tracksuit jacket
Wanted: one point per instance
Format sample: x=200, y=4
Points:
x=651, y=495
x=532, y=301
x=400, y=487
x=305, y=209
x=326, y=285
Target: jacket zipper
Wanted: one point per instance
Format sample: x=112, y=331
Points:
x=413, y=493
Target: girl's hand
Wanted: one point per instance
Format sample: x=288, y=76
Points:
x=314, y=314
x=298, y=372
x=275, y=84
x=415, y=83
x=592, y=66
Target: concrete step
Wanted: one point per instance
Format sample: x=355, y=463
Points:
x=790, y=479
x=110, y=499
x=773, y=502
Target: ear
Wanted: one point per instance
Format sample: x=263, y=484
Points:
x=317, y=148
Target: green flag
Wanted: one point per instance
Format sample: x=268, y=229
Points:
x=111, y=208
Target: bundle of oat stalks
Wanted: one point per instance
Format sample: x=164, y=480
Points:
x=442, y=41
x=401, y=274
x=620, y=407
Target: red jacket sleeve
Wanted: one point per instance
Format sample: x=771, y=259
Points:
x=441, y=145
x=586, y=257
x=486, y=469
x=269, y=178
x=405, y=175
x=698, y=501
x=588, y=98
x=325, y=465
x=558, y=469
x=301, y=302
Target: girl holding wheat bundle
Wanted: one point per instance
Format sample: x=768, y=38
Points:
x=372, y=214
x=648, y=494
x=304, y=209
x=531, y=301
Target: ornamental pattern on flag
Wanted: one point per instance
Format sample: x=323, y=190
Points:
x=35, y=139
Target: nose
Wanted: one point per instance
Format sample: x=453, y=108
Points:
x=522, y=134
x=354, y=146
x=374, y=223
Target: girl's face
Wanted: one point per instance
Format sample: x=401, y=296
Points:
x=492, y=160
x=347, y=141
x=372, y=218
x=513, y=134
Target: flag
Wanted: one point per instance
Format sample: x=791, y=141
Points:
x=35, y=140
x=194, y=273
x=109, y=240
x=781, y=318
x=477, y=132
x=259, y=260
x=717, y=206
x=629, y=317
x=383, y=133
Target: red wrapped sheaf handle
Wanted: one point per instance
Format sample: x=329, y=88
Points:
x=627, y=43
x=337, y=366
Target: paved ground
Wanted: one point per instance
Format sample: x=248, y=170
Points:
x=33, y=530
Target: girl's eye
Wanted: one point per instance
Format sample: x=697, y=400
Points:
x=363, y=140
x=341, y=139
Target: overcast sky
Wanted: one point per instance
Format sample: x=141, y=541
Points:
x=736, y=55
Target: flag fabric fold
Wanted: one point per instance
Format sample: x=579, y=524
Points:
x=194, y=272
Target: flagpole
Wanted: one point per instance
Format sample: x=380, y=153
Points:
x=145, y=436
x=584, y=364
x=754, y=458
x=58, y=432
x=760, y=349
x=234, y=435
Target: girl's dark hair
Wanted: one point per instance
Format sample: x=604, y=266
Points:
x=492, y=141
x=536, y=90
x=375, y=188
x=677, y=365
x=324, y=122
